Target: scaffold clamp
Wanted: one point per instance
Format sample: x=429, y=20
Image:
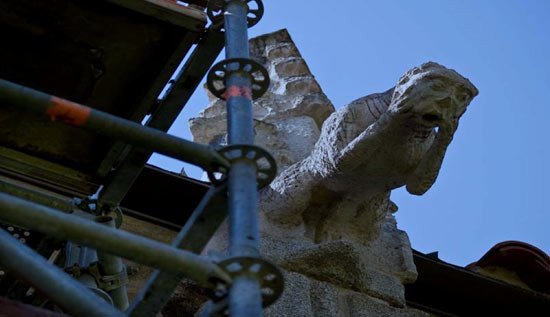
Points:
x=266, y=167
x=216, y=10
x=219, y=73
x=268, y=275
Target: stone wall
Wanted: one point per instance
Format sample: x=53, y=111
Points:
x=288, y=117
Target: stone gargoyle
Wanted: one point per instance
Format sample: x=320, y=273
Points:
x=327, y=219
x=329, y=216
x=373, y=145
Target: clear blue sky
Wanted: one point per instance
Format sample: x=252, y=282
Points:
x=494, y=182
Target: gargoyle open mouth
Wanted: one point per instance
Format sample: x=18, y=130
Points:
x=430, y=117
x=422, y=131
x=424, y=127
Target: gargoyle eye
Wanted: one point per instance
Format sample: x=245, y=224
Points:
x=463, y=97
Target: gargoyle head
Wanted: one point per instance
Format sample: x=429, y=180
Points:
x=432, y=95
x=425, y=98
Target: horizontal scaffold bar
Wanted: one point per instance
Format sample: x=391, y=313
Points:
x=33, y=216
x=58, y=109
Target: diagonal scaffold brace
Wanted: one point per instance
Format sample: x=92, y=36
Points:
x=196, y=232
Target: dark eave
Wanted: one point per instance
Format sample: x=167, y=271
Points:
x=163, y=198
x=450, y=290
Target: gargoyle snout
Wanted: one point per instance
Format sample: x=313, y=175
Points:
x=431, y=115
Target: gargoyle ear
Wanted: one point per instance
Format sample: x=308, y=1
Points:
x=465, y=97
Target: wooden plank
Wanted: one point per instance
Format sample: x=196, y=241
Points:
x=149, y=99
x=168, y=11
x=91, y=52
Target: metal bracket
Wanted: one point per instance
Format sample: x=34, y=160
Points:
x=266, y=167
x=87, y=204
x=216, y=10
x=108, y=282
x=115, y=213
x=19, y=233
x=219, y=73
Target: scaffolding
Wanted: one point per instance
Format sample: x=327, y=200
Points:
x=241, y=284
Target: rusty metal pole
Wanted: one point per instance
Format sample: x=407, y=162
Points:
x=71, y=113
